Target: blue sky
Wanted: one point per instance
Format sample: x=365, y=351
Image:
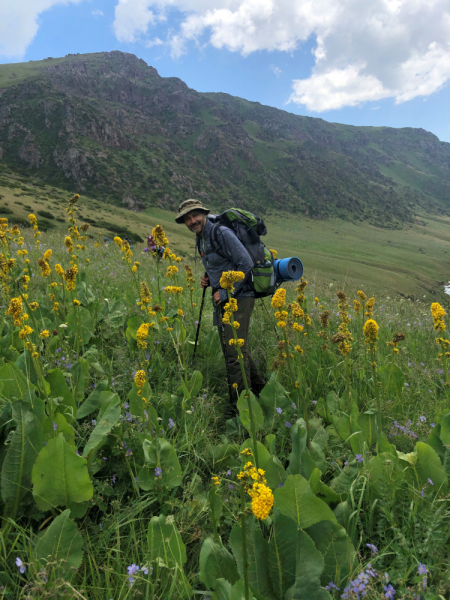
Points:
x=334, y=59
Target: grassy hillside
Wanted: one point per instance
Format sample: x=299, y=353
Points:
x=413, y=261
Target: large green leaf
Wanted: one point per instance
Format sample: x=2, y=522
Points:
x=244, y=411
x=80, y=378
x=92, y=402
x=385, y=474
x=275, y=473
x=27, y=441
x=60, y=389
x=283, y=554
x=429, y=466
x=337, y=550
x=309, y=567
x=193, y=386
x=56, y=425
x=257, y=557
x=392, y=379
x=137, y=404
x=445, y=429
x=216, y=562
x=273, y=396
x=60, y=549
x=263, y=453
x=15, y=384
x=297, y=501
x=225, y=591
x=79, y=319
x=369, y=426
x=60, y=477
x=322, y=490
x=164, y=542
x=133, y=325
x=108, y=417
x=298, y=437
x=159, y=453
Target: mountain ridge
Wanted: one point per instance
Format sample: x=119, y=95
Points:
x=109, y=125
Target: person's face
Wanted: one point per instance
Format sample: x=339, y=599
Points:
x=195, y=221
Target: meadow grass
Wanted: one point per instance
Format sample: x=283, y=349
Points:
x=406, y=529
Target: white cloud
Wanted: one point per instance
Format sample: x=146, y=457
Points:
x=276, y=70
x=365, y=50
x=154, y=42
x=19, y=23
x=98, y=13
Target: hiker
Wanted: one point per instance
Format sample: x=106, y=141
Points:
x=231, y=255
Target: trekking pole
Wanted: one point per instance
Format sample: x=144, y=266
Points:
x=199, y=320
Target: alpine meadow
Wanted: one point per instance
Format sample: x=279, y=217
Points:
x=120, y=476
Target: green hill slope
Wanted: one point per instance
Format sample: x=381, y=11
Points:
x=109, y=126
x=412, y=261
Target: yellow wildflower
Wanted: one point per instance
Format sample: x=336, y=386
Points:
x=139, y=379
x=438, y=314
x=262, y=500
x=118, y=241
x=229, y=278
x=361, y=295
x=279, y=298
x=47, y=255
x=76, y=302
x=44, y=334
x=25, y=331
x=34, y=305
x=216, y=480
x=273, y=252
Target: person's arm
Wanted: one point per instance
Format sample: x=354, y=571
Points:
x=238, y=255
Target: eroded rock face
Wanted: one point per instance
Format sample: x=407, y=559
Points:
x=30, y=152
x=75, y=165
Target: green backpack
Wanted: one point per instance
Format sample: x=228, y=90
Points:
x=248, y=228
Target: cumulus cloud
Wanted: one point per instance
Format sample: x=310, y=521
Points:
x=19, y=23
x=98, y=13
x=276, y=70
x=364, y=51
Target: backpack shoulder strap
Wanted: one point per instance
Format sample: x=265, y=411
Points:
x=213, y=240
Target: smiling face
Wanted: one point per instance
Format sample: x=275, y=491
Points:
x=195, y=221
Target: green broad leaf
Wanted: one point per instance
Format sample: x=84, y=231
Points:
x=298, y=437
x=164, y=542
x=392, y=379
x=179, y=331
x=52, y=427
x=297, y=501
x=337, y=551
x=343, y=512
x=308, y=571
x=222, y=454
x=160, y=453
x=225, y=591
x=445, y=429
x=257, y=558
x=27, y=441
x=137, y=404
x=193, y=386
x=92, y=402
x=324, y=492
x=272, y=396
x=283, y=554
x=216, y=562
x=108, y=417
x=215, y=504
x=15, y=384
x=60, y=477
x=80, y=322
x=275, y=473
x=60, y=389
x=60, y=549
x=369, y=427
x=385, y=474
x=342, y=426
x=429, y=466
x=133, y=325
x=344, y=481
x=80, y=375
x=263, y=453
x=26, y=365
x=244, y=411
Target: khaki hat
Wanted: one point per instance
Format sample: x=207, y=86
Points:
x=187, y=206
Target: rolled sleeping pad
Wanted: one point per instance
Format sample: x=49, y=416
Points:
x=288, y=269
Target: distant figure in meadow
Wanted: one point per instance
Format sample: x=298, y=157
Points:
x=226, y=254
x=152, y=247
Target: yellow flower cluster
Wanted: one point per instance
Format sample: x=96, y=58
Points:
x=279, y=298
x=343, y=337
x=59, y=270
x=159, y=236
x=189, y=276
x=34, y=306
x=262, y=500
x=70, y=277
x=15, y=310
x=146, y=296
x=44, y=266
x=139, y=379
x=369, y=307
x=297, y=327
x=76, y=302
x=249, y=472
x=234, y=342
x=357, y=305
x=370, y=331
x=44, y=334
x=47, y=255
x=273, y=252
x=229, y=278
x=172, y=270
x=118, y=241
x=361, y=295
x=142, y=334
x=300, y=288
x=173, y=289
x=215, y=480
x=297, y=311
x=438, y=314
x=230, y=307
x=68, y=243
x=25, y=331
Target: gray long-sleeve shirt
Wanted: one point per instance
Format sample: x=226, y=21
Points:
x=233, y=257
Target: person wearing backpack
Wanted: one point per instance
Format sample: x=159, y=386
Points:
x=221, y=250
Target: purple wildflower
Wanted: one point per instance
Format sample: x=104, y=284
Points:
x=158, y=472
x=288, y=424
x=20, y=564
x=422, y=569
x=373, y=548
x=359, y=458
x=279, y=410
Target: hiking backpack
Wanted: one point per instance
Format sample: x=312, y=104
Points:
x=248, y=228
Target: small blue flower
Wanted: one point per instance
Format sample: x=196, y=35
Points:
x=55, y=426
x=158, y=472
x=114, y=479
x=288, y=424
x=423, y=418
x=171, y=423
x=280, y=485
x=359, y=458
x=422, y=493
x=422, y=569
x=279, y=410
x=373, y=548
x=389, y=592
x=430, y=482
x=20, y=564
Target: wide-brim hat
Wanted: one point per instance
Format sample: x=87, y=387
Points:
x=187, y=206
